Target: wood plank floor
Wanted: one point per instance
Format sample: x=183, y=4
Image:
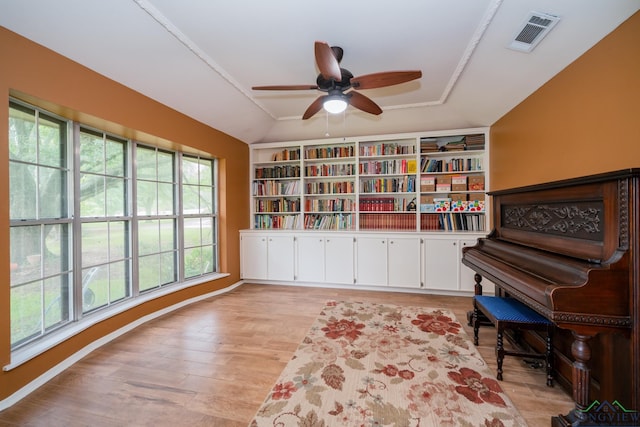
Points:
x=213, y=363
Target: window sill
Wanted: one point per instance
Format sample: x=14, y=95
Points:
x=22, y=355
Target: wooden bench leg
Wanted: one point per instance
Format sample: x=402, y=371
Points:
x=476, y=323
x=549, y=355
x=499, y=351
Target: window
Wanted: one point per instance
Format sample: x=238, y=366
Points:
x=105, y=224
x=41, y=273
x=155, y=205
x=96, y=220
x=199, y=211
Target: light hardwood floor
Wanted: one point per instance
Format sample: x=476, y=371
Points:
x=213, y=363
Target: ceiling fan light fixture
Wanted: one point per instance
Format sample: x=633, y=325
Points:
x=335, y=103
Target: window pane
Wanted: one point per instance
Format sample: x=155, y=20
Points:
x=192, y=232
x=56, y=253
x=192, y=262
x=206, y=200
x=95, y=288
x=26, y=258
x=22, y=199
x=52, y=144
x=165, y=166
x=115, y=160
x=208, y=259
x=26, y=311
x=148, y=237
x=206, y=171
x=190, y=199
x=165, y=199
x=91, y=152
x=167, y=235
x=190, y=171
x=118, y=280
x=52, y=191
x=147, y=198
x=91, y=195
x=95, y=238
x=118, y=240
x=22, y=134
x=207, y=231
x=115, y=196
x=57, y=300
x=146, y=166
x=149, y=271
x=168, y=274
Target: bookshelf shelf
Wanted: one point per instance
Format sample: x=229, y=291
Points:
x=431, y=181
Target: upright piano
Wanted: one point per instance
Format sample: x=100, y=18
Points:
x=570, y=250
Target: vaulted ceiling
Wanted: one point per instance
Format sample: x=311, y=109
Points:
x=202, y=57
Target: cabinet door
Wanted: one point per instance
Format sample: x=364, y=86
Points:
x=441, y=261
x=404, y=262
x=254, y=257
x=310, y=258
x=280, y=260
x=372, y=261
x=467, y=283
x=339, y=265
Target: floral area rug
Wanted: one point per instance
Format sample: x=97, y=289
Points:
x=383, y=365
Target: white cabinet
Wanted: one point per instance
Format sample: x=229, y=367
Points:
x=280, y=258
x=339, y=260
x=372, y=261
x=404, y=262
x=441, y=262
x=443, y=268
x=253, y=256
x=389, y=261
x=267, y=256
x=325, y=259
x=430, y=261
x=311, y=258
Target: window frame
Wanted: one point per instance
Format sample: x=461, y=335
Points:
x=79, y=320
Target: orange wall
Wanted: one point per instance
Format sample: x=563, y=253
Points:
x=41, y=76
x=585, y=120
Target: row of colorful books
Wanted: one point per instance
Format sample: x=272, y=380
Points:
x=276, y=188
x=329, y=222
x=288, y=222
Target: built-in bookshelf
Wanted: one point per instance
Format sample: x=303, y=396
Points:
x=433, y=181
x=452, y=183
x=387, y=184
x=329, y=187
x=276, y=188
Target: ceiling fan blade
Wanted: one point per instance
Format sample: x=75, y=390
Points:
x=327, y=62
x=286, y=87
x=389, y=78
x=363, y=103
x=313, y=108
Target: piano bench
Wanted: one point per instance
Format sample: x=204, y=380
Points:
x=509, y=313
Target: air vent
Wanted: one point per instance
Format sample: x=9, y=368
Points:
x=533, y=30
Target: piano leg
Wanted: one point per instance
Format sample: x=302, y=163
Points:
x=581, y=381
x=477, y=290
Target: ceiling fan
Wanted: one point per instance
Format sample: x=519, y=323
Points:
x=337, y=81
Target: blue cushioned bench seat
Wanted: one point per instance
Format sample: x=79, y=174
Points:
x=509, y=313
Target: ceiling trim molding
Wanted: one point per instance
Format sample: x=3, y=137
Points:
x=172, y=29
x=482, y=28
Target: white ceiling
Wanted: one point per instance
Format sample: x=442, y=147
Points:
x=201, y=57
